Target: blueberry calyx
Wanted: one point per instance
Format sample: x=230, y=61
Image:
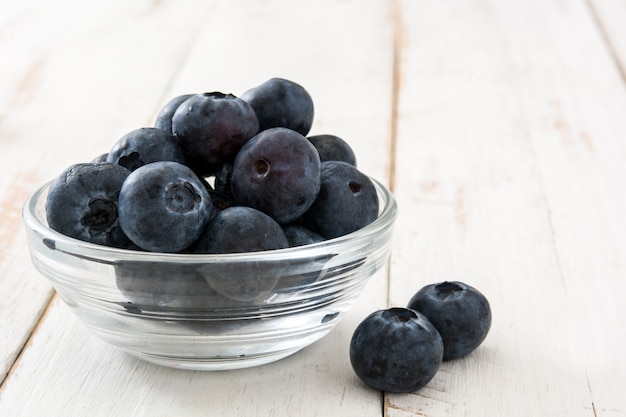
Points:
x=181, y=198
x=447, y=289
x=262, y=168
x=354, y=187
x=131, y=161
x=218, y=95
x=400, y=314
x=101, y=215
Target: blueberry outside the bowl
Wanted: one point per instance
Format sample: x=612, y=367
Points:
x=143, y=146
x=460, y=313
x=333, y=148
x=211, y=128
x=281, y=103
x=82, y=203
x=164, y=207
x=277, y=172
x=347, y=201
x=396, y=350
x=163, y=120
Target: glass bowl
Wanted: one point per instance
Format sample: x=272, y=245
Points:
x=210, y=312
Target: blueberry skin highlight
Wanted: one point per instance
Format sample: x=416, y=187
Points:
x=82, y=203
x=278, y=173
x=396, y=350
x=347, y=201
x=143, y=146
x=281, y=103
x=164, y=207
x=460, y=313
x=211, y=128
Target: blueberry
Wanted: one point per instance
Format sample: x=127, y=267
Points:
x=154, y=285
x=102, y=158
x=143, y=146
x=347, y=201
x=211, y=128
x=309, y=270
x=83, y=203
x=281, y=103
x=460, y=313
x=333, y=148
x=396, y=350
x=241, y=229
x=221, y=200
x=223, y=178
x=164, y=117
x=299, y=235
x=163, y=207
x=235, y=230
x=277, y=172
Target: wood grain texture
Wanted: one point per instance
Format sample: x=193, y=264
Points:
x=499, y=125
x=610, y=16
x=508, y=176
x=237, y=45
x=70, y=92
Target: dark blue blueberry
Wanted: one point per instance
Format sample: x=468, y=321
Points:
x=277, y=172
x=143, y=146
x=309, y=270
x=102, y=158
x=347, y=201
x=83, y=203
x=221, y=200
x=156, y=285
x=396, y=350
x=223, y=178
x=164, y=207
x=460, y=313
x=164, y=117
x=333, y=148
x=235, y=230
x=241, y=229
x=211, y=128
x=281, y=103
x=298, y=235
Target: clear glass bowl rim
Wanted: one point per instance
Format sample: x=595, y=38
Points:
x=33, y=220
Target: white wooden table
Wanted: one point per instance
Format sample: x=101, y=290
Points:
x=499, y=125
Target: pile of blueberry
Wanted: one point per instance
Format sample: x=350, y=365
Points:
x=218, y=173
x=401, y=349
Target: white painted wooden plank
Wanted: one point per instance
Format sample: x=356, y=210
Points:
x=510, y=167
x=69, y=92
x=611, y=15
x=350, y=82
x=68, y=372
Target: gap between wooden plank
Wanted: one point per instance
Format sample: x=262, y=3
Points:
x=40, y=321
x=606, y=38
x=396, y=81
x=189, y=46
x=398, y=42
